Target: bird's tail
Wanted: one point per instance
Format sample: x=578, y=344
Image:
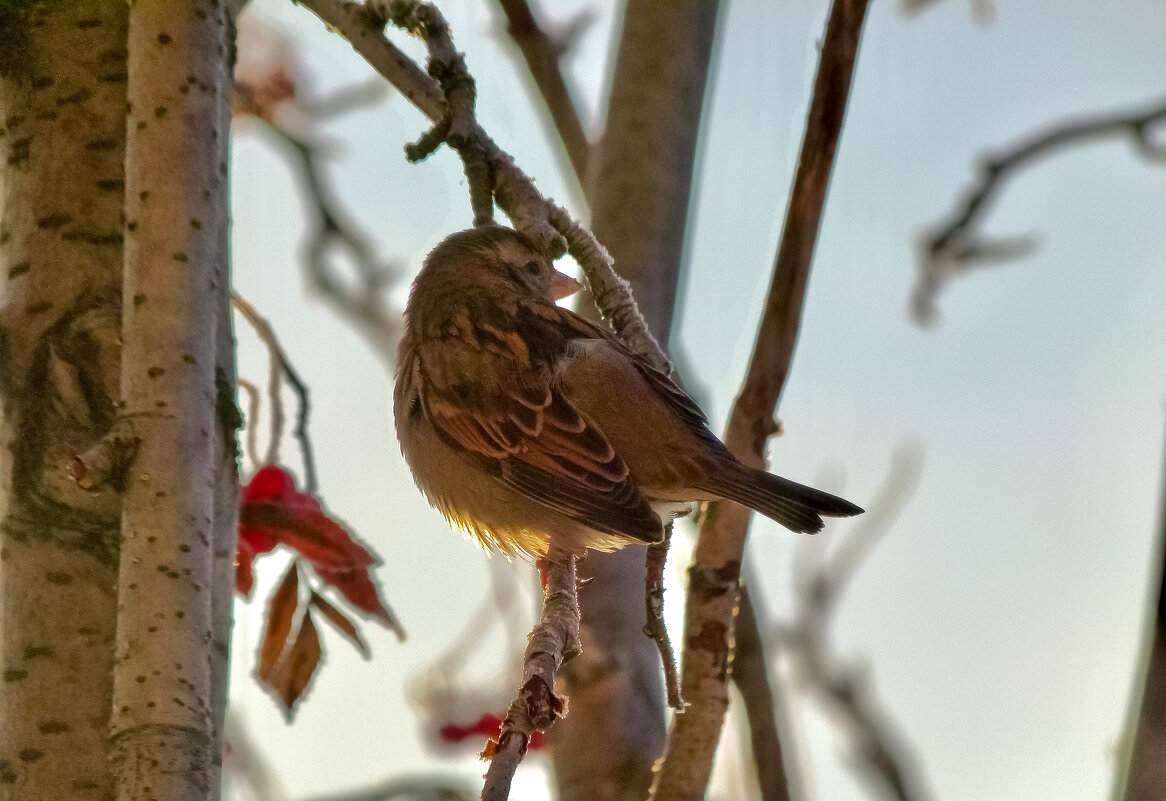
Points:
x=796, y=506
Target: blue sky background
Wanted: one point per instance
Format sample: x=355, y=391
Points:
x=1000, y=619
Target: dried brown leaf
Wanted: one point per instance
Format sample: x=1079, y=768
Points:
x=281, y=612
x=295, y=670
x=341, y=622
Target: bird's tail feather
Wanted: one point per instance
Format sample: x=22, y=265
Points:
x=796, y=506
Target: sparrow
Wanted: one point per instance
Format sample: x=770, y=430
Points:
x=537, y=431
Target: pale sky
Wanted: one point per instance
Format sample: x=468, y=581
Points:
x=1000, y=619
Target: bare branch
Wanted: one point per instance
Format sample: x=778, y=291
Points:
x=282, y=367
x=555, y=639
x=983, y=11
x=252, y=393
x=957, y=245
x=363, y=304
x=343, y=100
x=409, y=789
x=364, y=29
x=417, y=788
x=655, y=628
x=542, y=55
x=534, y=215
x=880, y=751
x=106, y=462
x=715, y=572
x=751, y=677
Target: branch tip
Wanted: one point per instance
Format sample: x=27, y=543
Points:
x=106, y=463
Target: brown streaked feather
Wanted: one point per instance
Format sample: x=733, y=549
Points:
x=520, y=428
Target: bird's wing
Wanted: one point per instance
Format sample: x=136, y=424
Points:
x=489, y=389
x=665, y=388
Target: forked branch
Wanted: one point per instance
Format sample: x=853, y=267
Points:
x=959, y=245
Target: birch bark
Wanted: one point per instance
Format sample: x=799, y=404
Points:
x=62, y=132
x=162, y=732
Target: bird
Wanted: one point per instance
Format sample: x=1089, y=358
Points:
x=539, y=432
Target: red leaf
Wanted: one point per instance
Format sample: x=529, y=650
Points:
x=252, y=542
x=274, y=512
x=489, y=725
x=340, y=621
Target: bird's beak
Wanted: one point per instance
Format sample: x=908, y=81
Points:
x=563, y=286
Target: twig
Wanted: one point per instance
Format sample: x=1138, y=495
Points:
x=343, y=100
x=542, y=55
x=252, y=393
x=413, y=788
x=880, y=751
x=715, y=571
x=654, y=609
x=458, y=128
x=364, y=303
x=549, y=227
x=106, y=462
x=751, y=677
x=247, y=764
x=554, y=639
x=546, y=224
x=957, y=246
x=421, y=788
x=983, y=11
x=275, y=363
x=281, y=368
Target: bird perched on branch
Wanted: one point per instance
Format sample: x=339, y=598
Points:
x=534, y=429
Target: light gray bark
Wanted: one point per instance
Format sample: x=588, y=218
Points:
x=163, y=728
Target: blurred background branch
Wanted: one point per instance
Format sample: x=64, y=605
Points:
x=959, y=245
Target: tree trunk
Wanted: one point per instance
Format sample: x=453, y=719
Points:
x=163, y=729
x=1145, y=775
x=62, y=101
x=639, y=191
x=63, y=104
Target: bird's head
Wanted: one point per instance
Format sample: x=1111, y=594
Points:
x=498, y=257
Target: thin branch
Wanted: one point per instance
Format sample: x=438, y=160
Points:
x=542, y=55
x=282, y=368
x=751, y=677
x=252, y=393
x=363, y=27
x=546, y=224
x=246, y=764
x=958, y=245
x=343, y=100
x=880, y=750
x=420, y=788
x=983, y=11
x=458, y=128
x=554, y=639
x=654, y=611
x=714, y=574
x=364, y=303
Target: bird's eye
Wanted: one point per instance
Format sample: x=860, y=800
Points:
x=532, y=267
